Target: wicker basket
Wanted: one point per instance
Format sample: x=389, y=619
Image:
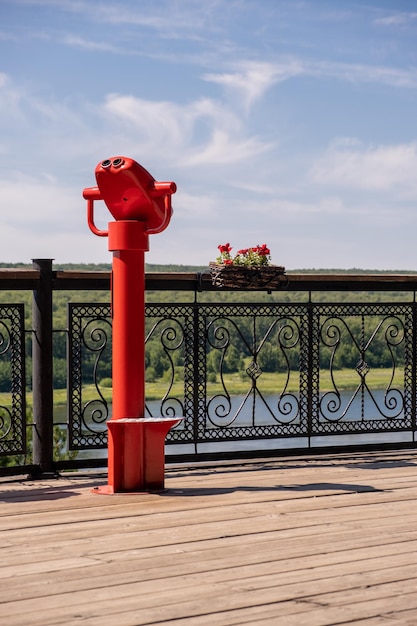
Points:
x=242, y=277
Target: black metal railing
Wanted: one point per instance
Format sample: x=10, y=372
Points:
x=12, y=380
x=255, y=378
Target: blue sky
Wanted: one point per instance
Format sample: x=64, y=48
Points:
x=285, y=122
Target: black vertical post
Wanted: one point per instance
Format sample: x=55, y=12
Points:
x=197, y=372
x=42, y=377
x=412, y=360
x=312, y=380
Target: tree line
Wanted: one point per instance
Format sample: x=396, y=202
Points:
x=341, y=348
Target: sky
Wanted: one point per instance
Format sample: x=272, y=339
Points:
x=285, y=122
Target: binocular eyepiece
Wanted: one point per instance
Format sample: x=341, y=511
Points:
x=131, y=193
x=115, y=162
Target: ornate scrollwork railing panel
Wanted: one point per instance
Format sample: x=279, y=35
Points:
x=170, y=357
x=12, y=380
x=89, y=344
x=289, y=362
x=273, y=371
x=376, y=340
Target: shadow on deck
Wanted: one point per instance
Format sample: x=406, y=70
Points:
x=291, y=541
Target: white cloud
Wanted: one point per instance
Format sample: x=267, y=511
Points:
x=252, y=79
x=43, y=217
x=180, y=15
x=10, y=98
x=390, y=76
x=201, y=132
x=351, y=72
x=171, y=121
x=223, y=149
x=164, y=19
x=194, y=207
x=249, y=80
x=396, y=19
x=40, y=203
x=161, y=122
x=370, y=168
x=87, y=44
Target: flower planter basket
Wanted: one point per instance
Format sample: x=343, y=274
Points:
x=243, y=277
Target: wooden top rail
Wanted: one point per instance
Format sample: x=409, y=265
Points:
x=201, y=281
x=28, y=279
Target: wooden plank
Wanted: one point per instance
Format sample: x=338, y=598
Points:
x=352, y=598
x=129, y=517
x=118, y=538
x=248, y=565
x=313, y=543
x=177, y=496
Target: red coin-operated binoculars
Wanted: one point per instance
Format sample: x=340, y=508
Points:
x=141, y=206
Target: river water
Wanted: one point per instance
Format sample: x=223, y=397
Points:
x=350, y=408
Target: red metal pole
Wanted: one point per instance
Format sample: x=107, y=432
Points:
x=141, y=206
x=128, y=317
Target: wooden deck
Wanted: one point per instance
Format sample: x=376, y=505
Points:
x=292, y=542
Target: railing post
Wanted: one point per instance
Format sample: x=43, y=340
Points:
x=414, y=372
x=42, y=371
x=312, y=381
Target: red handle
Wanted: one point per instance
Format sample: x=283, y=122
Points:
x=91, y=194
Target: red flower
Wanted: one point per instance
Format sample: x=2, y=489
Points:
x=263, y=250
x=249, y=257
